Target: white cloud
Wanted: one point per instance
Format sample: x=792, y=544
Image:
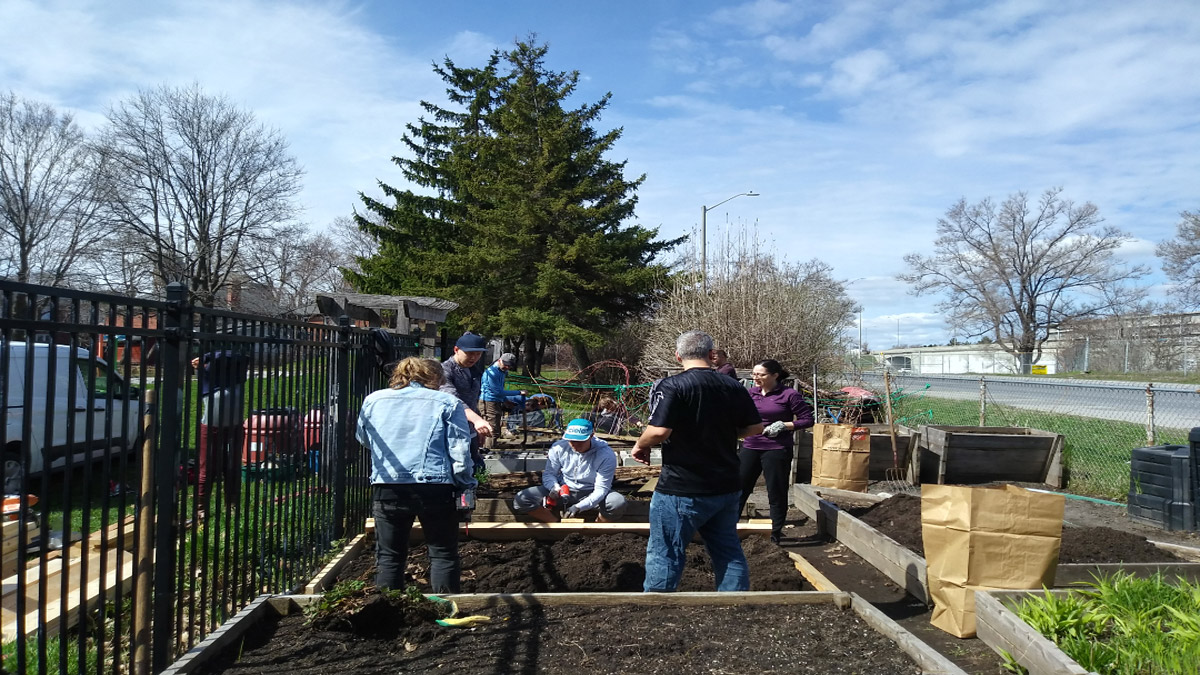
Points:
x=859, y=123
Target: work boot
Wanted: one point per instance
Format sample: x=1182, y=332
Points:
x=776, y=536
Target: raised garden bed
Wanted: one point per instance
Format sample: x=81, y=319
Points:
x=887, y=533
x=578, y=563
x=1116, y=624
x=881, y=461
x=601, y=633
x=953, y=454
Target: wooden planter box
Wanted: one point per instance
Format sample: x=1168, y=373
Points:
x=881, y=451
x=229, y=635
x=907, y=569
x=1001, y=629
x=983, y=454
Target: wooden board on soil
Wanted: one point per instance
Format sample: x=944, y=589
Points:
x=787, y=632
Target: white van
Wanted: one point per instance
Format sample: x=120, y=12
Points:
x=101, y=415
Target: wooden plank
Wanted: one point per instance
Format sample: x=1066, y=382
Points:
x=1004, y=631
x=902, y=566
x=117, y=534
x=225, y=636
x=926, y=657
x=470, y=602
x=556, y=531
x=12, y=539
x=1067, y=574
x=848, y=495
x=351, y=551
x=95, y=590
x=819, y=581
x=1189, y=552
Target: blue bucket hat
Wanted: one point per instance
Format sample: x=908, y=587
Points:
x=578, y=429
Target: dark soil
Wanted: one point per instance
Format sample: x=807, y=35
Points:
x=611, y=563
x=899, y=517
x=619, y=639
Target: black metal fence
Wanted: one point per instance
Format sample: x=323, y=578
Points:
x=164, y=464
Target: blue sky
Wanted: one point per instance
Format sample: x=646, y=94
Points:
x=859, y=123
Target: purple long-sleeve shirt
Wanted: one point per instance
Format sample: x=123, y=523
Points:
x=780, y=405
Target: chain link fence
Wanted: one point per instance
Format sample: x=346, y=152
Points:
x=1101, y=422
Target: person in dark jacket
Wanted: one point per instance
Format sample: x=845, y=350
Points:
x=220, y=381
x=697, y=417
x=783, y=411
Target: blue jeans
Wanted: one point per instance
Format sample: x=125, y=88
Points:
x=675, y=520
x=395, y=508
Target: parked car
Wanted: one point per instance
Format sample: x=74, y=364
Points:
x=84, y=412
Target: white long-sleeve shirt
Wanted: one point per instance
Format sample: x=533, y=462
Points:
x=581, y=471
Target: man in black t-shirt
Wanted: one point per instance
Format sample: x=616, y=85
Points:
x=697, y=416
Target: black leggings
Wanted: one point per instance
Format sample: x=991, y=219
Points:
x=395, y=508
x=775, y=466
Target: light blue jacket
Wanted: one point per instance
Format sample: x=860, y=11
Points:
x=492, y=388
x=591, y=472
x=416, y=435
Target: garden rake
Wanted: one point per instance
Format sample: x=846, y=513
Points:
x=896, y=479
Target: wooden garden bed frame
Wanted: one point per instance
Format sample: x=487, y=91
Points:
x=907, y=569
x=1004, y=631
x=983, y=454
x=266, y=606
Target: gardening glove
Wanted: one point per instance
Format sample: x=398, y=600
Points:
x=464, y=621
x=773, y=429
x=571, y=512
x=466, y=500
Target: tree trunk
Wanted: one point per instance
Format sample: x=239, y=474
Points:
x=581, y=355
x=533, y=364
x=1025, y=357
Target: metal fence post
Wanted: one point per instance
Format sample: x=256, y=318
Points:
x=341, y=426
x=982, y=402
x=1150, y=432
x=176, y=330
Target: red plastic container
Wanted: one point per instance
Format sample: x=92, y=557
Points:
x=272, y=435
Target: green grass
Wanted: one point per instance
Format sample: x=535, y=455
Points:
x=1168, y=377
x=1123, y=625
x=1097, y=452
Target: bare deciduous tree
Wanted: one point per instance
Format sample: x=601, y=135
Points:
x=1013, y=272
x=49, y=213
x=352, y=241
x=195, y=179
x=757, y=307
x=293, y=267
x=1181, y=259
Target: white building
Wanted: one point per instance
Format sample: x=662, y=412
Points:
x=960, y=359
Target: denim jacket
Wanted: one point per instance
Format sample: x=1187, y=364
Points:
x=416, y=435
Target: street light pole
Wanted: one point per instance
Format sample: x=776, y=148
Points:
x=704, y=236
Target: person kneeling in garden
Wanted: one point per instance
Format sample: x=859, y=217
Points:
x=577, y=480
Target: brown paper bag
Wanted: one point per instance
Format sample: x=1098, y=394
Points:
x=982, y=539
x=841, y=456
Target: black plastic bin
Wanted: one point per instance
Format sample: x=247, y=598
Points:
x=1162, y=485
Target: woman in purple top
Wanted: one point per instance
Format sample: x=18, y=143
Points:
x=783, y=411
